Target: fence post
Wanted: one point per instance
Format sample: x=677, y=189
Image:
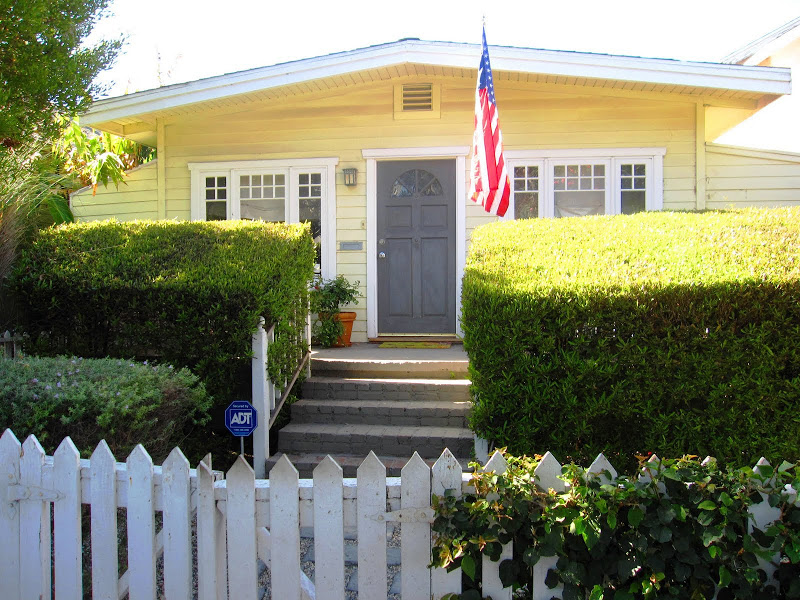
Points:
x=307, y=347
x=415, y=493
x=141, y=526
x=241, y=530
x=34, y=519
x=284, y=529
x=206, y=530
x=177, y=526
x=10, y=451
x=446, y=475
x=103, y=496
x=492, y=586
x=328, y=530
x=547, y=474
x=260, y=401
x=67, y=521
x=371, y=523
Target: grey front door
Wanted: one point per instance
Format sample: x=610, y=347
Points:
x=416, y=246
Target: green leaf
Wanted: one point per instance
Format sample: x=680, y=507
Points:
x=59, y=210
x=468, y=566
x=714, y=551
x=623, y=595
x=707, y=505
x=611, y=519
x=596, y=593
x=724, y=576
x=552, y=579
x=635, y=516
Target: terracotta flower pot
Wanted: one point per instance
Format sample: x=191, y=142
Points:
x=346, y=318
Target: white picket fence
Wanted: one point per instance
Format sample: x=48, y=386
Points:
x=10, y=345
x=238, y=519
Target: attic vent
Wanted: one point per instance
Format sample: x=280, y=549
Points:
x=416, y=101
x=418, y=96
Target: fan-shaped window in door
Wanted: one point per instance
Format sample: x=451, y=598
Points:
x=416, y=182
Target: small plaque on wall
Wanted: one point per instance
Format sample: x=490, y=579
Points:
x=351, y=245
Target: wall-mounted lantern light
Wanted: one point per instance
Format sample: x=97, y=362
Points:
x=350, y=176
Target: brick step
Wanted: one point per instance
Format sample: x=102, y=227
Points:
x=439, y=413
x=384, y=440
x=370, y=388
x=307, y=462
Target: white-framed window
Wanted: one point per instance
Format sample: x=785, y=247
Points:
x=569, y=183
x=291, y=191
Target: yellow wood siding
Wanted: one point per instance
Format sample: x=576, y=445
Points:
x=740, y=177
x=134, y=199
x=342, y=122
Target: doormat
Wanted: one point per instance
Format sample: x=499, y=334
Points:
x=434, y=345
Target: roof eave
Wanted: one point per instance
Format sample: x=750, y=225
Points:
x=764, y=80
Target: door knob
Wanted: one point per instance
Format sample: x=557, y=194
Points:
x=381, y=254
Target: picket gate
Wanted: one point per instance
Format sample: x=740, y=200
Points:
x=238, y=519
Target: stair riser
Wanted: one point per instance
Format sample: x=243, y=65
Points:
x=367, y=418
x=299, y=443
x=385, y=391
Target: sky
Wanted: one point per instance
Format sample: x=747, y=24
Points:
x=172, y=41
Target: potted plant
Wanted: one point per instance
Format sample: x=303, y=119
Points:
x=333, y=327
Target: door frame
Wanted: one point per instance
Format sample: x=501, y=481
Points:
x=372, y=156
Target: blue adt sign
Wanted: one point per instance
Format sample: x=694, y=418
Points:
x=241, y=418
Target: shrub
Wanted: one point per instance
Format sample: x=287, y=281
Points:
x=668, y=332
x=684, y=531
x=121, y=401
x=189, y=294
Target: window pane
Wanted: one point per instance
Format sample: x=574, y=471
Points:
x=519, y=172
x=303, y=178
x=559, y=170
x=209, y=182
x=244, y=193
x=316, y=178
x=533, y=184
x=572, y=183
x=625, y=170
x=639, y=170
x=211, y=194
x=222, y=194
x=519, y=184
x=526, y=206
x=303, y=191
x=586, y=170
x=638, y=183
x=586, y=183
x=280, y=192
x=533, y=171
x=264, y=210
x=633, y=202
x=599, y=183
x=577, y=204
x=572, y=170
x=222, y=181
x=599, y=170
x=244, y=180
x=316, y=190
x=626, y=183
x=280, y=180
x=215, y=211
x=559, y=184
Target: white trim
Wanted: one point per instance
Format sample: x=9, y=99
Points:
x=461, y=234
x=583, y=152
x=777, y=155
x=372, y=156
x=428, y=152
x=372, y=248
x=767, y=80
x=292, y=169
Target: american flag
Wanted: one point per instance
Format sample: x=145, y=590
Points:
x=489, y=178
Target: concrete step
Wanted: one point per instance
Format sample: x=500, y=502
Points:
x=376, y=388
x=384, y=440
x=437, y=413
x=369, y=361
x=305, y=463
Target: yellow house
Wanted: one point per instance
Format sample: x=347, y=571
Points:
x=372, y=146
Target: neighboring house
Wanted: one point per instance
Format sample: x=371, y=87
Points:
x=372, y=147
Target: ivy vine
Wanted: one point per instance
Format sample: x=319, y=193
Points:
x=683, y=530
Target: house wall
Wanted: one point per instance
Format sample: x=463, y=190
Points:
x=136, y=198
x=532, y=116
x=739, y=177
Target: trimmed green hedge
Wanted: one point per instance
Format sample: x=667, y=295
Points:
x=121, y=401
x=668, y=332
x=188, y=294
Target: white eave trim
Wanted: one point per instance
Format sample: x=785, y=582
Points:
x=767, y=80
